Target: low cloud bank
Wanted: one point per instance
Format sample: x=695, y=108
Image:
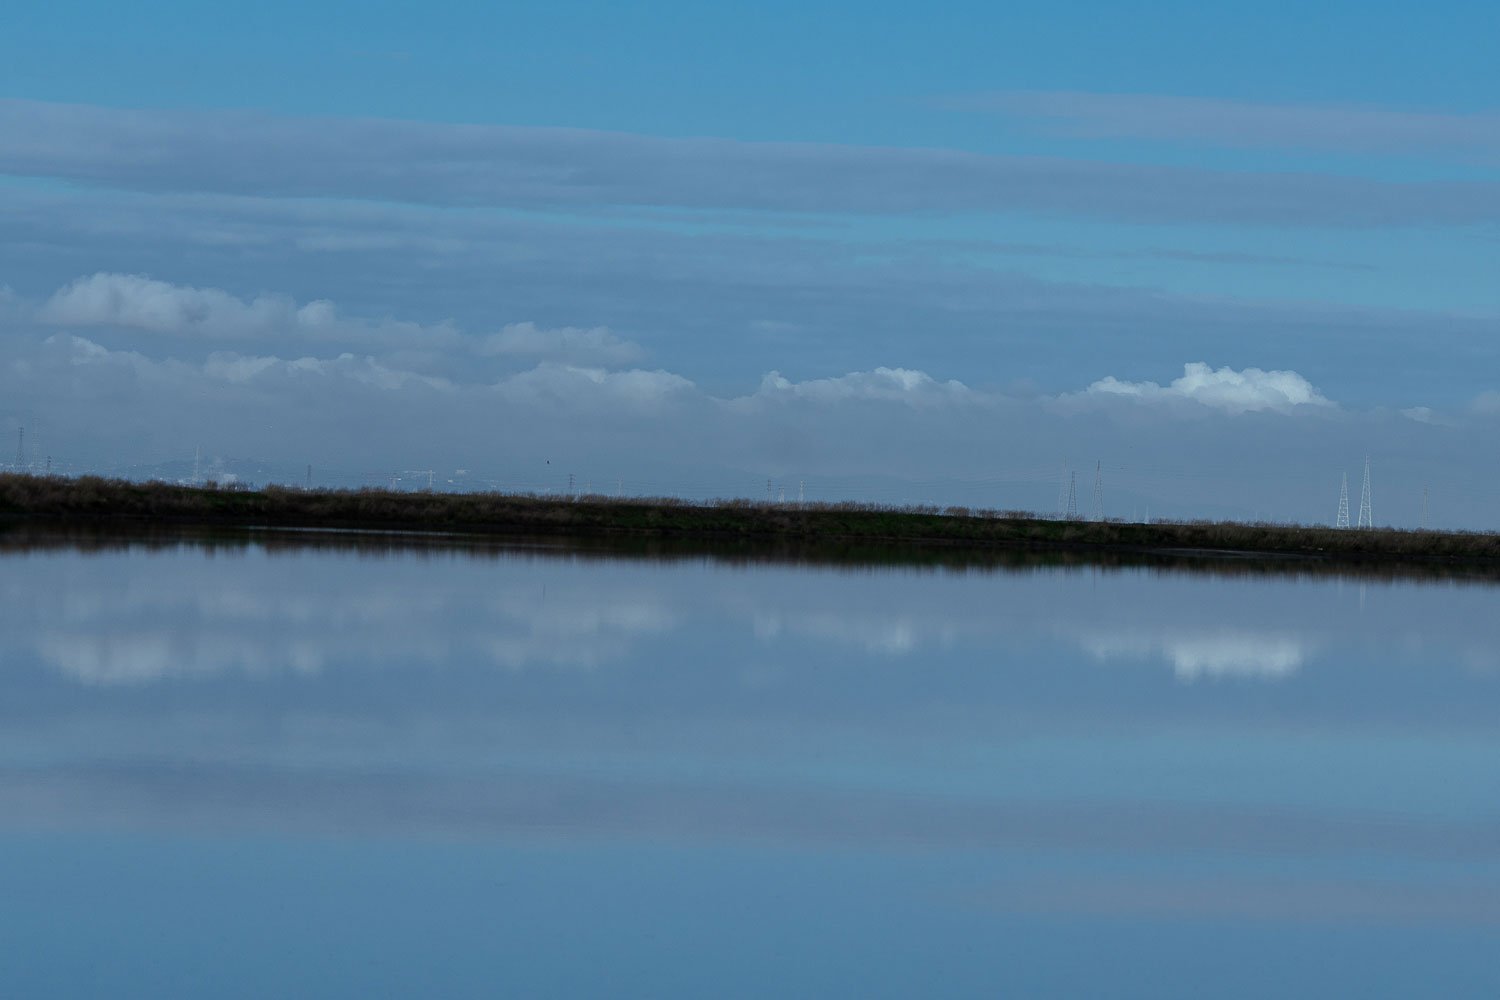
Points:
x=138, y=302
x=118, y=370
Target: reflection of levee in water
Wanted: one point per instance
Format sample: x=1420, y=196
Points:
x=846, y=557
x=95, y=511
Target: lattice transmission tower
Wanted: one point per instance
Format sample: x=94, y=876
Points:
x=1343, y=519
x=1366, y=518
x=1071, y=512
x=1098, y=491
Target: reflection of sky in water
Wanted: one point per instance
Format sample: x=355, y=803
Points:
x=809, y=778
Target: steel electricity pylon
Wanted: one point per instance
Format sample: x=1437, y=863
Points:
x=1098, y=491
x=1366, y=518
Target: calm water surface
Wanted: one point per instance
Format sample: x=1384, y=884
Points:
x=255, y=772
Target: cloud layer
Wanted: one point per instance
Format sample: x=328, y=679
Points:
x=717, y=303
x=572, y=364
x=258, y=154
x=1343, y=127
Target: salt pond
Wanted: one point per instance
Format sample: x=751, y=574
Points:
x=359, y=771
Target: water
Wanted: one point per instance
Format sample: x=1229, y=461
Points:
x=338, y=770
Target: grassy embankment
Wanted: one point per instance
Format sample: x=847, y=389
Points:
x=102, y=503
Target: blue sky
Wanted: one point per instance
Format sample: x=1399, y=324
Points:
x=765, y=70
x=1024, y=199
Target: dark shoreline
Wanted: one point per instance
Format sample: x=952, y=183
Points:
x=91, y=508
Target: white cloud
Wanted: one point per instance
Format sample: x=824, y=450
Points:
x=1487, y=403
x=572, y=385
x=368, y=371
x=238, y=367
x=566, y=384
x=227, y=366
x=1224, y=389
x=567, y=345
x=82, y=351
x=139, y=302
x=899, y=385
x=1426, y=415
x=144, y=303
x=64, y=354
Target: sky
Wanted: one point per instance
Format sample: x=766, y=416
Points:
x=1212, y=256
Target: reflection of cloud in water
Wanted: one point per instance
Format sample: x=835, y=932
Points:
x=1480, y=659
x=1209, y=654
x=149, y=656
x=636, y=616
x=200, y=634
x=889, y=636
x=584, y=633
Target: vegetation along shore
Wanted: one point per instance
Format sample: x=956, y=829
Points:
x=103, y=503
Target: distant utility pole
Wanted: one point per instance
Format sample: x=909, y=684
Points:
x=1423, y=523
x=768, y=491
x=1062, y=491
x=1342, y=521
x=1366, y=518
x=1071, y=510
x=801, y=492
x=570, y=484
x=1098, y=491
x=197, y=454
